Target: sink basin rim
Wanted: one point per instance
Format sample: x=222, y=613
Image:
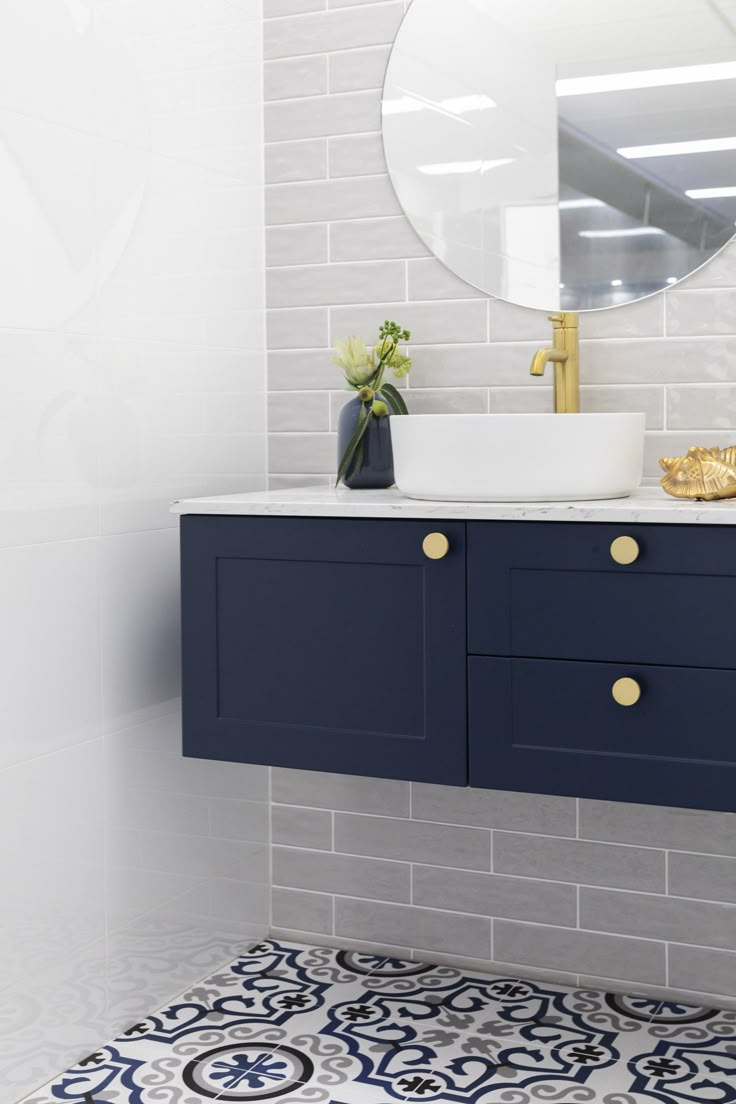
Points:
x=519, y=457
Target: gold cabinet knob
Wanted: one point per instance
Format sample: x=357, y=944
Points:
x=625, y=550
x=626, y=691
x=435, y=546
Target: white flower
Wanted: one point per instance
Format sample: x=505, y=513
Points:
x=356, y=360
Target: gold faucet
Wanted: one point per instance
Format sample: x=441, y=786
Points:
x=565, y=355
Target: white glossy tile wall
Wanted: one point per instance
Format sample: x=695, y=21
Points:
x=132, y=371
x=341, y=258
x=337, y=243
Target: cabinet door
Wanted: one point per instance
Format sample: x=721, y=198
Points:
x=325, y=644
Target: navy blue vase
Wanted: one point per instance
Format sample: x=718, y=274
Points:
x=377, y=466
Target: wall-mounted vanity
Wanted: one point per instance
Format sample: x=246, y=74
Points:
x=581, y=650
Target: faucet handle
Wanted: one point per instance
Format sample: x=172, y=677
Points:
x=563, y=320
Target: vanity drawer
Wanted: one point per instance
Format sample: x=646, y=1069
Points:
x=555, y=591
x=550, y=726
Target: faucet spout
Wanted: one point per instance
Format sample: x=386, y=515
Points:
x=565, y=355
x=543, y=357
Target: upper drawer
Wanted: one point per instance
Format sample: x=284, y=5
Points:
x=555, y=591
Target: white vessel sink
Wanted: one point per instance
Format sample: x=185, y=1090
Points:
x=518, y=457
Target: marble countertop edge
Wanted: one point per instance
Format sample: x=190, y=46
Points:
x=648, y=505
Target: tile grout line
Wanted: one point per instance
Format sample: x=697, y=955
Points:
x=655, y=894
x=624, y=937
x=516, y=831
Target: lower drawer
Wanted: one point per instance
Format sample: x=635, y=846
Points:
x=553, y=726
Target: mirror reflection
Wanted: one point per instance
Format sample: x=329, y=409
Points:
x=570, y=155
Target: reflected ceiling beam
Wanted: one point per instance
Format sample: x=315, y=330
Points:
x=594, y=171
x=646, y=78
x=724, y=16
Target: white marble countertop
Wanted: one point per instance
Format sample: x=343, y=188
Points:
x=646, y=506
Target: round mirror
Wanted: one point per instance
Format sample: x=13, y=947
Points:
x=566, y=155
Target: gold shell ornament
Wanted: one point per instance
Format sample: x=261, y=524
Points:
x=706, y=474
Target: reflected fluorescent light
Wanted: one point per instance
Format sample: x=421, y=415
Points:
x=403, y=106
x=672, y=279
x=454, y=168
x=629, y=232
x=461, y=105
x=561, y=286
x=670, y=149
x=455, y=106
x=646, y=78
x=579, y=204
x=711, y=193
x=617, y=283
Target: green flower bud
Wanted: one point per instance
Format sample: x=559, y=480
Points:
x=366, y=394
x=380, y=409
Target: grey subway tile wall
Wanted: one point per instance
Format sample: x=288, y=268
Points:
x=324, y=161
x=593, y=892
x=699, y=923
x=301, y=827
x=713, y=972
x=424, y=928
x=289, y=162
x=579, y=861
x=295, y=908
x=413, y=841
x=657, y=826
x=346, y=875
x=633, y=960
x=481, y=894
x=708, y=877
x=630, y=895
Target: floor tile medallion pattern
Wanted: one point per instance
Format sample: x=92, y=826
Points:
x=304, y=1025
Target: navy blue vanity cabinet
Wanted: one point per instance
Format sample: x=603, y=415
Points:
x=555, y=624
x=325, y=644
x=540, y=657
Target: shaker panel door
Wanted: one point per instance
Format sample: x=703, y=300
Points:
x=323, y=644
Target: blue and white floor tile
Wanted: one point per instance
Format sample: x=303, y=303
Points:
x=305, y=1025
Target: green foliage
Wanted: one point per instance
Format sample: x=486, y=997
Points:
x=394, y=398
x=394, y=330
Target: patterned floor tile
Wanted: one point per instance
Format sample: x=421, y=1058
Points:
x=108, y=1077
x=326, y=965
x=670, y=1072
x=673, y=1020
x=314, y=1025
x=506, y=1010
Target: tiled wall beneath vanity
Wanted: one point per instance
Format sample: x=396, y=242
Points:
x=632, y=897
x=341, y=258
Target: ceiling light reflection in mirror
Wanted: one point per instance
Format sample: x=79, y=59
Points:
x=573, y=155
